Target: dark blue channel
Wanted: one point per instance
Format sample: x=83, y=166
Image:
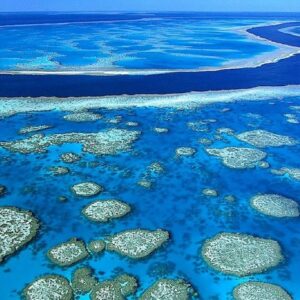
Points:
x=273, y=33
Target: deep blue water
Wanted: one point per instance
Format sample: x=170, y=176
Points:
x=274, y=34
x=174, y=203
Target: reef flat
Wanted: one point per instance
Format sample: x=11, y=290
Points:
x=137, y=243
x=294, y=173
x=103, y=211
x=70, y=157
x=49, y=287
x=68, y=253
x=241, y=254
x=82, y=117
x=119, y=288
x=275, y=206
x=260, y=290
x=31, y=129
x=13, y=106
x=108, y=142
x=83, y=280
x=87, y=189
x=59, y=170
x=263, y=139
x=17, y=228
x=238, y=158
x=185, y=151
x=165, y=289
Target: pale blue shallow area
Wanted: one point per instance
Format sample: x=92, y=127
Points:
x=175, y=202
x=150, y=44
x=292, y=31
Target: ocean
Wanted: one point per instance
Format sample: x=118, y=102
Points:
x=202, y=80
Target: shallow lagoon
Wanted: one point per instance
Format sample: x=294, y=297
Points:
x=152, y=43
x=174, y=202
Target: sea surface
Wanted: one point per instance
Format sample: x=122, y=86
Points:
x=182, y=47
x=150, y=42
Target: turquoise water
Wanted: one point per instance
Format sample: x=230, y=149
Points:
x=175, y=202
x=152, y=44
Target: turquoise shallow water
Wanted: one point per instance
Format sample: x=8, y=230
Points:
x=175, y=202
x=160, y=44
x=293, y=31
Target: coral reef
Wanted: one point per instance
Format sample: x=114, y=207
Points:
x=68, y=253
x=108, y=142
x=106, y=210
x=275, y=205
x=156, y=167
x=70, y=157
x=210, y=192
x=59, y=170
x=294, y=173
x=137, y=243
x=30, y=129
x=241, y=254
x=238, y=158
x=17, y=228
x=83, y=280
x=107, y=290
x=49, y=287
x=260, y=290
x=128, y=284
x=87, y=189
x=263, y=138
x=161, y=130
x=132, y=124
x=185, y=151
x=82, y=117
x=167, y=289
x=96, y=246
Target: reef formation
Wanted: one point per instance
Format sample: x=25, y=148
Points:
x=185, y=151
x=49, y=287
x=167, y=289
x=87, y=189
x=31, y=129
x=68, y=253
x=293, y=173
x=263, y=139
x=241, y=254
x=137, y=243
x=260, y=290
x=275, y=206
x=106, y=210
x=82, y=117
x=17, y=228
x=238, y=158
x=108, y=142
